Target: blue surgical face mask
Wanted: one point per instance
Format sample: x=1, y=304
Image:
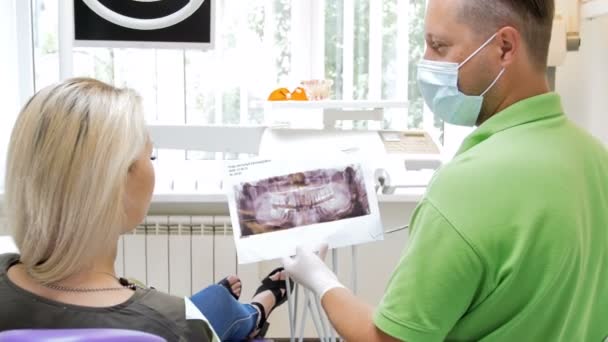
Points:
x=438, y=83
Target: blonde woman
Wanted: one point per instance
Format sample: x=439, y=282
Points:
x=78, y=176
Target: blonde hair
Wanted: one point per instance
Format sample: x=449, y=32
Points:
x=67, y=166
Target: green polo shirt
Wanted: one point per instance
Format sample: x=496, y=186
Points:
x=511, y=240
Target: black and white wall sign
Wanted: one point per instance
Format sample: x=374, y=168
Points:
x=144, y=23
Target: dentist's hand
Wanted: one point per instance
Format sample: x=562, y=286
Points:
x=308, y=269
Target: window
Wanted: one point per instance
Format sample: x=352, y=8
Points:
x=369, y=48
x=365, y=49
x=252, y=56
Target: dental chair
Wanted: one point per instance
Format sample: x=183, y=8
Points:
x=78, y=335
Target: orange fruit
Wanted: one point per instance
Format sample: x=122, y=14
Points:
x=280, y=94
x=299, y=94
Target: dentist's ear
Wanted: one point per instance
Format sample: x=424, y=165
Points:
x=510, y=41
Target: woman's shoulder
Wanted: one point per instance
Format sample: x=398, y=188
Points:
x=6, y=260
x=178, y=310
x=160, y=302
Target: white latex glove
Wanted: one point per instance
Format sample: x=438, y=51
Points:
x=309, y=270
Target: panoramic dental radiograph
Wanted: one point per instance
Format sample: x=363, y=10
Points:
x=301, y=199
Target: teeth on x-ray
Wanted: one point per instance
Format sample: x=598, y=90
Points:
x=307, y=198
x=301, y=199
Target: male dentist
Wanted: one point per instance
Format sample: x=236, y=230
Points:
x=510, y=242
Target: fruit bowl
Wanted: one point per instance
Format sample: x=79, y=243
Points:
x=317, y=89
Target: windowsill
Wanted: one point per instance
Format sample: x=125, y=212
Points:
x=408, y=195
x=217, y=203
x=162, y=200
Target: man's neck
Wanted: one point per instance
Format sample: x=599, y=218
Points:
x=533, y=87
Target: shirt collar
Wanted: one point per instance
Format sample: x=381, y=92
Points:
x=532, y=109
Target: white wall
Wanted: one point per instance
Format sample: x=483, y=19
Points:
x=583, y=79
x=9, y=80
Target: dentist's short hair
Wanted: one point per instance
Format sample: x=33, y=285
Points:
x=67, y=166
x=533, y=18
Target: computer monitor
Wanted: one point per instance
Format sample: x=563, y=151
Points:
x=175, y=24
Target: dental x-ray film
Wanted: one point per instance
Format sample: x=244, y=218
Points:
x=276, y=206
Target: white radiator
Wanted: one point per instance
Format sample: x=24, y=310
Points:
x=178, y=254
x=181, y=255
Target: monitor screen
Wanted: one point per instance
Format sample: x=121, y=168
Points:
x=95, y=28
